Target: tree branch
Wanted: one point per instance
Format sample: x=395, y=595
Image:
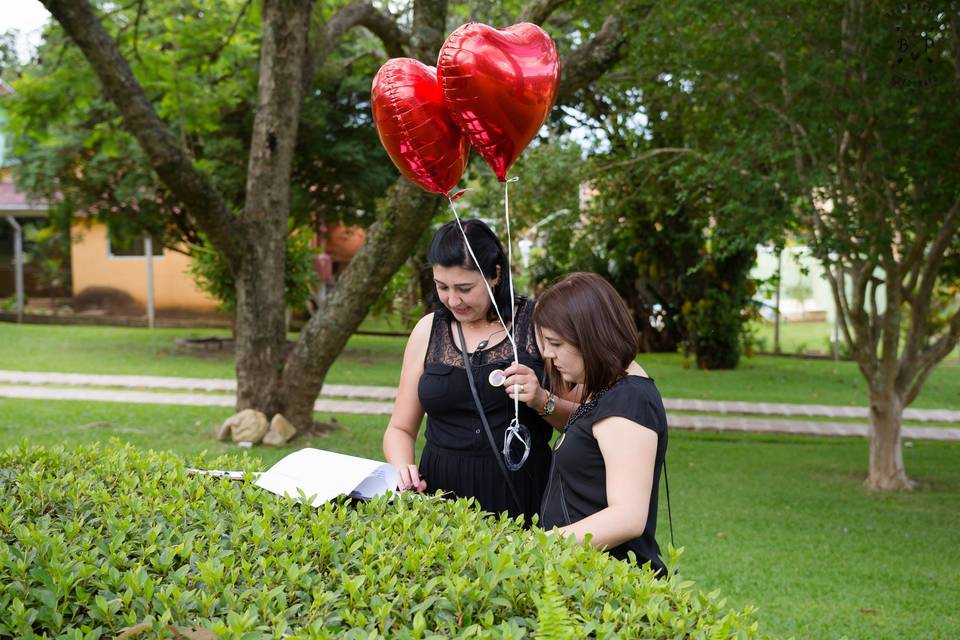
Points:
x=395, y=40
x=646, y=156
x=586, y=64
x=936, y=253
x=933, y=355
x=890, y=324
x=136, y=30
x=537, y=11
x=357, y=13
x=912, y=263
x=865, y=324
x=213, y=55
x=838, y=288
x=166, y=156
x=921, y=298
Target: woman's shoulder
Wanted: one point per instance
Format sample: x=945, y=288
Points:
x=636, y=385
x=423, y=326
x=523, y=309
x=525, y=330
x=421, y=332
x=636, y=398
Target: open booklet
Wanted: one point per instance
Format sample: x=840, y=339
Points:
x=324, y=475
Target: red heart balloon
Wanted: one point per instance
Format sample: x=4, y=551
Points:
x=499, y=85
x=414, y=126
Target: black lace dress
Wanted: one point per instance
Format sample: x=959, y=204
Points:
x=458, y=457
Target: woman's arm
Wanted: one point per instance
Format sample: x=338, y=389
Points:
x=535, y=396
x=629, y=455
x=400, y=438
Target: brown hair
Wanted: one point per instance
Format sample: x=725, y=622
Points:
x=588, y=313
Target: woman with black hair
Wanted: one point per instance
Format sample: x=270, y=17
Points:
x=463, y=456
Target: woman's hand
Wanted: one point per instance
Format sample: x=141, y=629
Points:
x=529, y=392
x=408, y=477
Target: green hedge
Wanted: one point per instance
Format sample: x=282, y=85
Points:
x=98, y=539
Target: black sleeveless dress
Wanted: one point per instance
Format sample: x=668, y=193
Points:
x=457, y=457
x=578, y=480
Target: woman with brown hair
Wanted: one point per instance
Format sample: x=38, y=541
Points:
x=607, y=463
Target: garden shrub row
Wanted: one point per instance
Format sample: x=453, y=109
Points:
x=99, y=539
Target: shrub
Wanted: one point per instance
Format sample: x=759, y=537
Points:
x=212, y=274
x=98, y=539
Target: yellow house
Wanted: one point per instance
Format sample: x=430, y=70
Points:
x=96, y=264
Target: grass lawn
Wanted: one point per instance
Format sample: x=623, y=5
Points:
x=796, y=337
x=375, y=360
x=136, y=351
x=779, y=522
x=806, y=337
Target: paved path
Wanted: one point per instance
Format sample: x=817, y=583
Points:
x=797, y=427
x=186, y=399
x=176, y=384
x=372, y=400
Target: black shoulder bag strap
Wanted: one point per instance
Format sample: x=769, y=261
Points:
x=483, y=419
x=666, y=482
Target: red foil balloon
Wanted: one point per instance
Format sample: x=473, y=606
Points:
x=414, y=126
x=499, y=86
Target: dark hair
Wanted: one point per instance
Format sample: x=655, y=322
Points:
x=588, y=313
x=449, y=250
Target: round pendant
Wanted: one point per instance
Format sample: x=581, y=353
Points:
x=496, y=378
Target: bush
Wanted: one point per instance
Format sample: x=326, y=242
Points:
x=98, y=539
x=211, y=271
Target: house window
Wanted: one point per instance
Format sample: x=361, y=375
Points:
x=6, y=241
x=132, y=248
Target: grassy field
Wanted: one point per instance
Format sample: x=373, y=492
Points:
x=375, y=360
x=136, y=351
x=796, y=337
x=804, y=337
x=779, y=522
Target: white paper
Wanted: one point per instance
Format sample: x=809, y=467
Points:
x=326, y=475
x=220, y=473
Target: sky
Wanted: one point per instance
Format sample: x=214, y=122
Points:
x=27, y=17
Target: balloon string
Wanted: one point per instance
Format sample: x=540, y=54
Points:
x=516, y=357
x=486, y=284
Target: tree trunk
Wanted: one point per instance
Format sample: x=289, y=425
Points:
x=886, y=452
x=259, y=274
x=389, y=243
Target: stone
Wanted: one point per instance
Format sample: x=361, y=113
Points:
x=280, y=431
x=249, y=425
x=223, y=431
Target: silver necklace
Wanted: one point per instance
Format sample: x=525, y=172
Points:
x=483, y=343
